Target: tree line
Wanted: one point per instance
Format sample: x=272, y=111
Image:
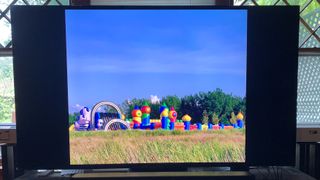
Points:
x=202, y=107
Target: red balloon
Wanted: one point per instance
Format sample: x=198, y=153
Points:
x=146, y=109
x=136, y=113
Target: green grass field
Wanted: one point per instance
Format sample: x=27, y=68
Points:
x=159, y=146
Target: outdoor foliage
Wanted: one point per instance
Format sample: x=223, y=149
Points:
x=205, y=117
x=6, y=109
x=217, y=102
x=233, y=118
x=215, y=119
x=73, y=117
x=6, y=90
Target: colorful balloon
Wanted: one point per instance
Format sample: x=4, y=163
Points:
x=172, y=114
x=186, y=117
x=145, y=109
x=240, y=120
x=136, y=115
x=240, y=116
x=164, y=113
x=83, y=121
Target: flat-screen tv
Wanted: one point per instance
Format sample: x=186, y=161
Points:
x=154, y=87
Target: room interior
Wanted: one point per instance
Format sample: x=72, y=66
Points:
x=306, y=149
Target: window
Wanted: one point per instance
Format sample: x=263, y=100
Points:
x=308, y=100
x=7, y=110
x=6, y=90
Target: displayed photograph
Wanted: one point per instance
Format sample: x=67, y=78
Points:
x=156, y=86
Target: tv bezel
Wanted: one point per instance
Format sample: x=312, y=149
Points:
x=149, y=166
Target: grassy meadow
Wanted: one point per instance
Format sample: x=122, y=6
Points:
x=158, y=146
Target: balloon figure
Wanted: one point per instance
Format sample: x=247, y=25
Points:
x=145, y=109
x=199, y=126
x=98, y=122
x=164, y=112
x=136, y=117
x=186, y=120
x=172, y=116
x=240, y=120
x=83, y=121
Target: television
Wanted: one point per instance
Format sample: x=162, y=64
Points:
x=155, y=86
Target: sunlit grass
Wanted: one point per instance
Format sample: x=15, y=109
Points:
x=135, y=146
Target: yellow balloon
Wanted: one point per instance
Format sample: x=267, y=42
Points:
x=240, y=116
x=204, y=127
x=165, y=113
x=186, y=118
x=138, y=119
x=71, y=128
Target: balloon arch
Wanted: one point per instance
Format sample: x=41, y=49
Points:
x=111, y=122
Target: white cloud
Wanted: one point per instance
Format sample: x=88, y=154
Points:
x=154, y=99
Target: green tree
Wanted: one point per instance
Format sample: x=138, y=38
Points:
x=224, y=119
x=73, y=118
x=233, y=118
x=211, y=117
x=205, y=117
x=191, y=105
x=6, y=90
x=215, y=119
x=6, y=109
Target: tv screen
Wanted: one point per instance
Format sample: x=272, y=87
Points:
x=156, y=86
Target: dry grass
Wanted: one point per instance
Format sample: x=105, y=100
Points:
x=114, y=147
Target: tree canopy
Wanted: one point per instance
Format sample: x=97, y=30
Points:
x=212, y=102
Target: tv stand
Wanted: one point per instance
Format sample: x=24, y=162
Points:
x=254, y=173
x=176, y=168
x=219, y=175
x=98, y=175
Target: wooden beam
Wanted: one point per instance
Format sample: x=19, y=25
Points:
x=309, y=51
x=80, y=2
x=5, y=52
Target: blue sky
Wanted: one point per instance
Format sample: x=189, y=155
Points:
x=117, y=55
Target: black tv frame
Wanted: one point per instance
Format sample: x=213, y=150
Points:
x=44, y=144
